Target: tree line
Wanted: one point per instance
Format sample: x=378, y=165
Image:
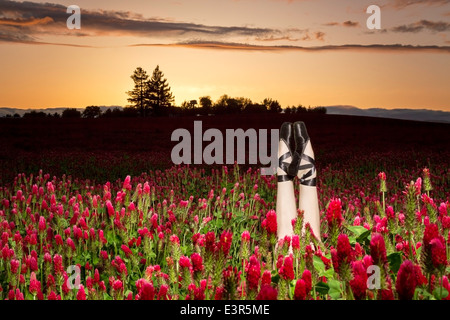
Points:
x=225, y=105
x=152, y=97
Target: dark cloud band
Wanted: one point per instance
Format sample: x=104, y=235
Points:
x=347, y=47
x=439, y=26
x=400, y=4
x=23, y=17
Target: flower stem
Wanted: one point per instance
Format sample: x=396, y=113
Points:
x=429, y=282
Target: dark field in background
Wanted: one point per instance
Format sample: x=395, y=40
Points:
x=109, y=149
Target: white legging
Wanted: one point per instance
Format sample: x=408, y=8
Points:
x=308, y=201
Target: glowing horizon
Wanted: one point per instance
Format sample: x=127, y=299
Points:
x=317, y=53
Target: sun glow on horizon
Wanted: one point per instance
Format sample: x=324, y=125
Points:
x=240, y=55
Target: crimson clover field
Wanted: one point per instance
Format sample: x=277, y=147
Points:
x=102, y=196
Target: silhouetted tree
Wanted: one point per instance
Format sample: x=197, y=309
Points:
x=34, y=114
x=139, y=94
x=116, y=112
x=107, y=113
x=71, y=113
x=221, y=105
x=189, y=105
x=288, y=110
x=243, y=103
x=205, y=104
x=175, y=111
x=16, y=115
x=272, y=105
x=130, y=112
x=112, y=113
x=233, y=106
x=255, y=108
x=92, y=112
x=301, y=109
x=320, y=110
x=226, y=104
x=159, y=94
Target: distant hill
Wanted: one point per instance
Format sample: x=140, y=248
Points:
x=11, y=111
x=404, y=114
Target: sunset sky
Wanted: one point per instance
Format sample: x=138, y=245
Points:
x=310, y=52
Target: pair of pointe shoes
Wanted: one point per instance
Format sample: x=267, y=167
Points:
x=296, y=137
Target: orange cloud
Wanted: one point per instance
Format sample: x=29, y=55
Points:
x=23, y=23
x=349, y=23
x=347, y=47
x=272, y=38
x=320, y=35
x=400, y=4
x=435, y=26
x=331, y=24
